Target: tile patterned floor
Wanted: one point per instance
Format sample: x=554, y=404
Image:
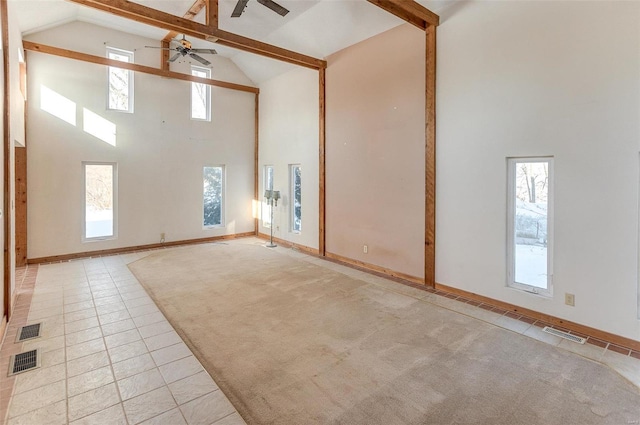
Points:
x=109, y=356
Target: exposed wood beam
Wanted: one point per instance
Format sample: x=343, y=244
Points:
x=190, y=15
x=430, y=160
x=410, y=11
x=212, y=13
x=154, y=17
x=322, y=164
x=259, y=48
x=256, y=150
x=6, y=142
x=149, y=16
x=134, y=67
x=21, y=205
x=165, y=54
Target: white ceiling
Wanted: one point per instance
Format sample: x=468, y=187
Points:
x=316, y=28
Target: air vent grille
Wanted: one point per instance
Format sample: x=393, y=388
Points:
x=29, y=332
x=564, y=335
x=24, y=362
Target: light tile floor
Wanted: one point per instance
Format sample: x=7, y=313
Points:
x=108, y=355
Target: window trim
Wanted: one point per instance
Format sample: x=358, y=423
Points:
x=292, y=209
x=114, y=168
x=130, y=54
x=511, y=242
x=222, y=198
x=207, y=71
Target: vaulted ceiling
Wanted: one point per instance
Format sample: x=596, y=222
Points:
x=316, y=28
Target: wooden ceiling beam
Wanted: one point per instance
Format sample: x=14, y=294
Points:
x=410, y=11
x=190, y=15
x=149, y=16
x=212, y=13
x=248, y=45
x=56, y=51
x=157, y=18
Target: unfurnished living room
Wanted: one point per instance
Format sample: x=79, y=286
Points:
x=370, y=212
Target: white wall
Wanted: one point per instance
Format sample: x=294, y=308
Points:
x=543, y=78
x=160, y=152
x=289, y=134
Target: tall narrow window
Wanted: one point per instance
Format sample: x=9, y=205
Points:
x=200, y=95
x=296, y=198
x=267, y=182
x=213, y=196
x=120, y=81
x=99, y=200
x=530, y=229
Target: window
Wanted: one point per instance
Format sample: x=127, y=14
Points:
x=530, y=227
x=267, y=182
x=120, y=81
x=100, y=187
x=213, y=196
x=296, y=198
x=200, y=95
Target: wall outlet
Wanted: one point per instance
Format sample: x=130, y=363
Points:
x=365, y=249
x=569, y=299
x=162, y=237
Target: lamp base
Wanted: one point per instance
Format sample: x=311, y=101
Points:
x=271, y=245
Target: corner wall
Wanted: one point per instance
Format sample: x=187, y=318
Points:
x=532, y=79
x=159, y=150
x=375, y=151
x=289, y=134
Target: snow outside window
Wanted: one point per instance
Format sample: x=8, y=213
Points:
x=296, y=198
x=120, y=81
x=530, y=224
x=100, y=195
x=213, y=196
x=200, y=95
x=267, y=182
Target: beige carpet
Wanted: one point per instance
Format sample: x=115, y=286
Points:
x=292, y=342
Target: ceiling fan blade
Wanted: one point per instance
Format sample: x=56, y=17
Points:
x=174, y=57
x=237, y=11
x=207, y=51
x=274, y=6
x=200, y=59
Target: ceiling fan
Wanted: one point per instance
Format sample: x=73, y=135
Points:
x=242, y=4
x=184, y=49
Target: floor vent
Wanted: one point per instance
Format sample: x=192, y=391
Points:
x=564, y=335
x=29, y=332
x=24, y=362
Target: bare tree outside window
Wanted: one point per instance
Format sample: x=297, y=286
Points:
x=99, y=200
x=530, y=223
x=296, y=198
x=213, y=179
x=120, y=82
x=200, y=95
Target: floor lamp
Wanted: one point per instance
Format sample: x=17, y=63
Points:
x=272, y=199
